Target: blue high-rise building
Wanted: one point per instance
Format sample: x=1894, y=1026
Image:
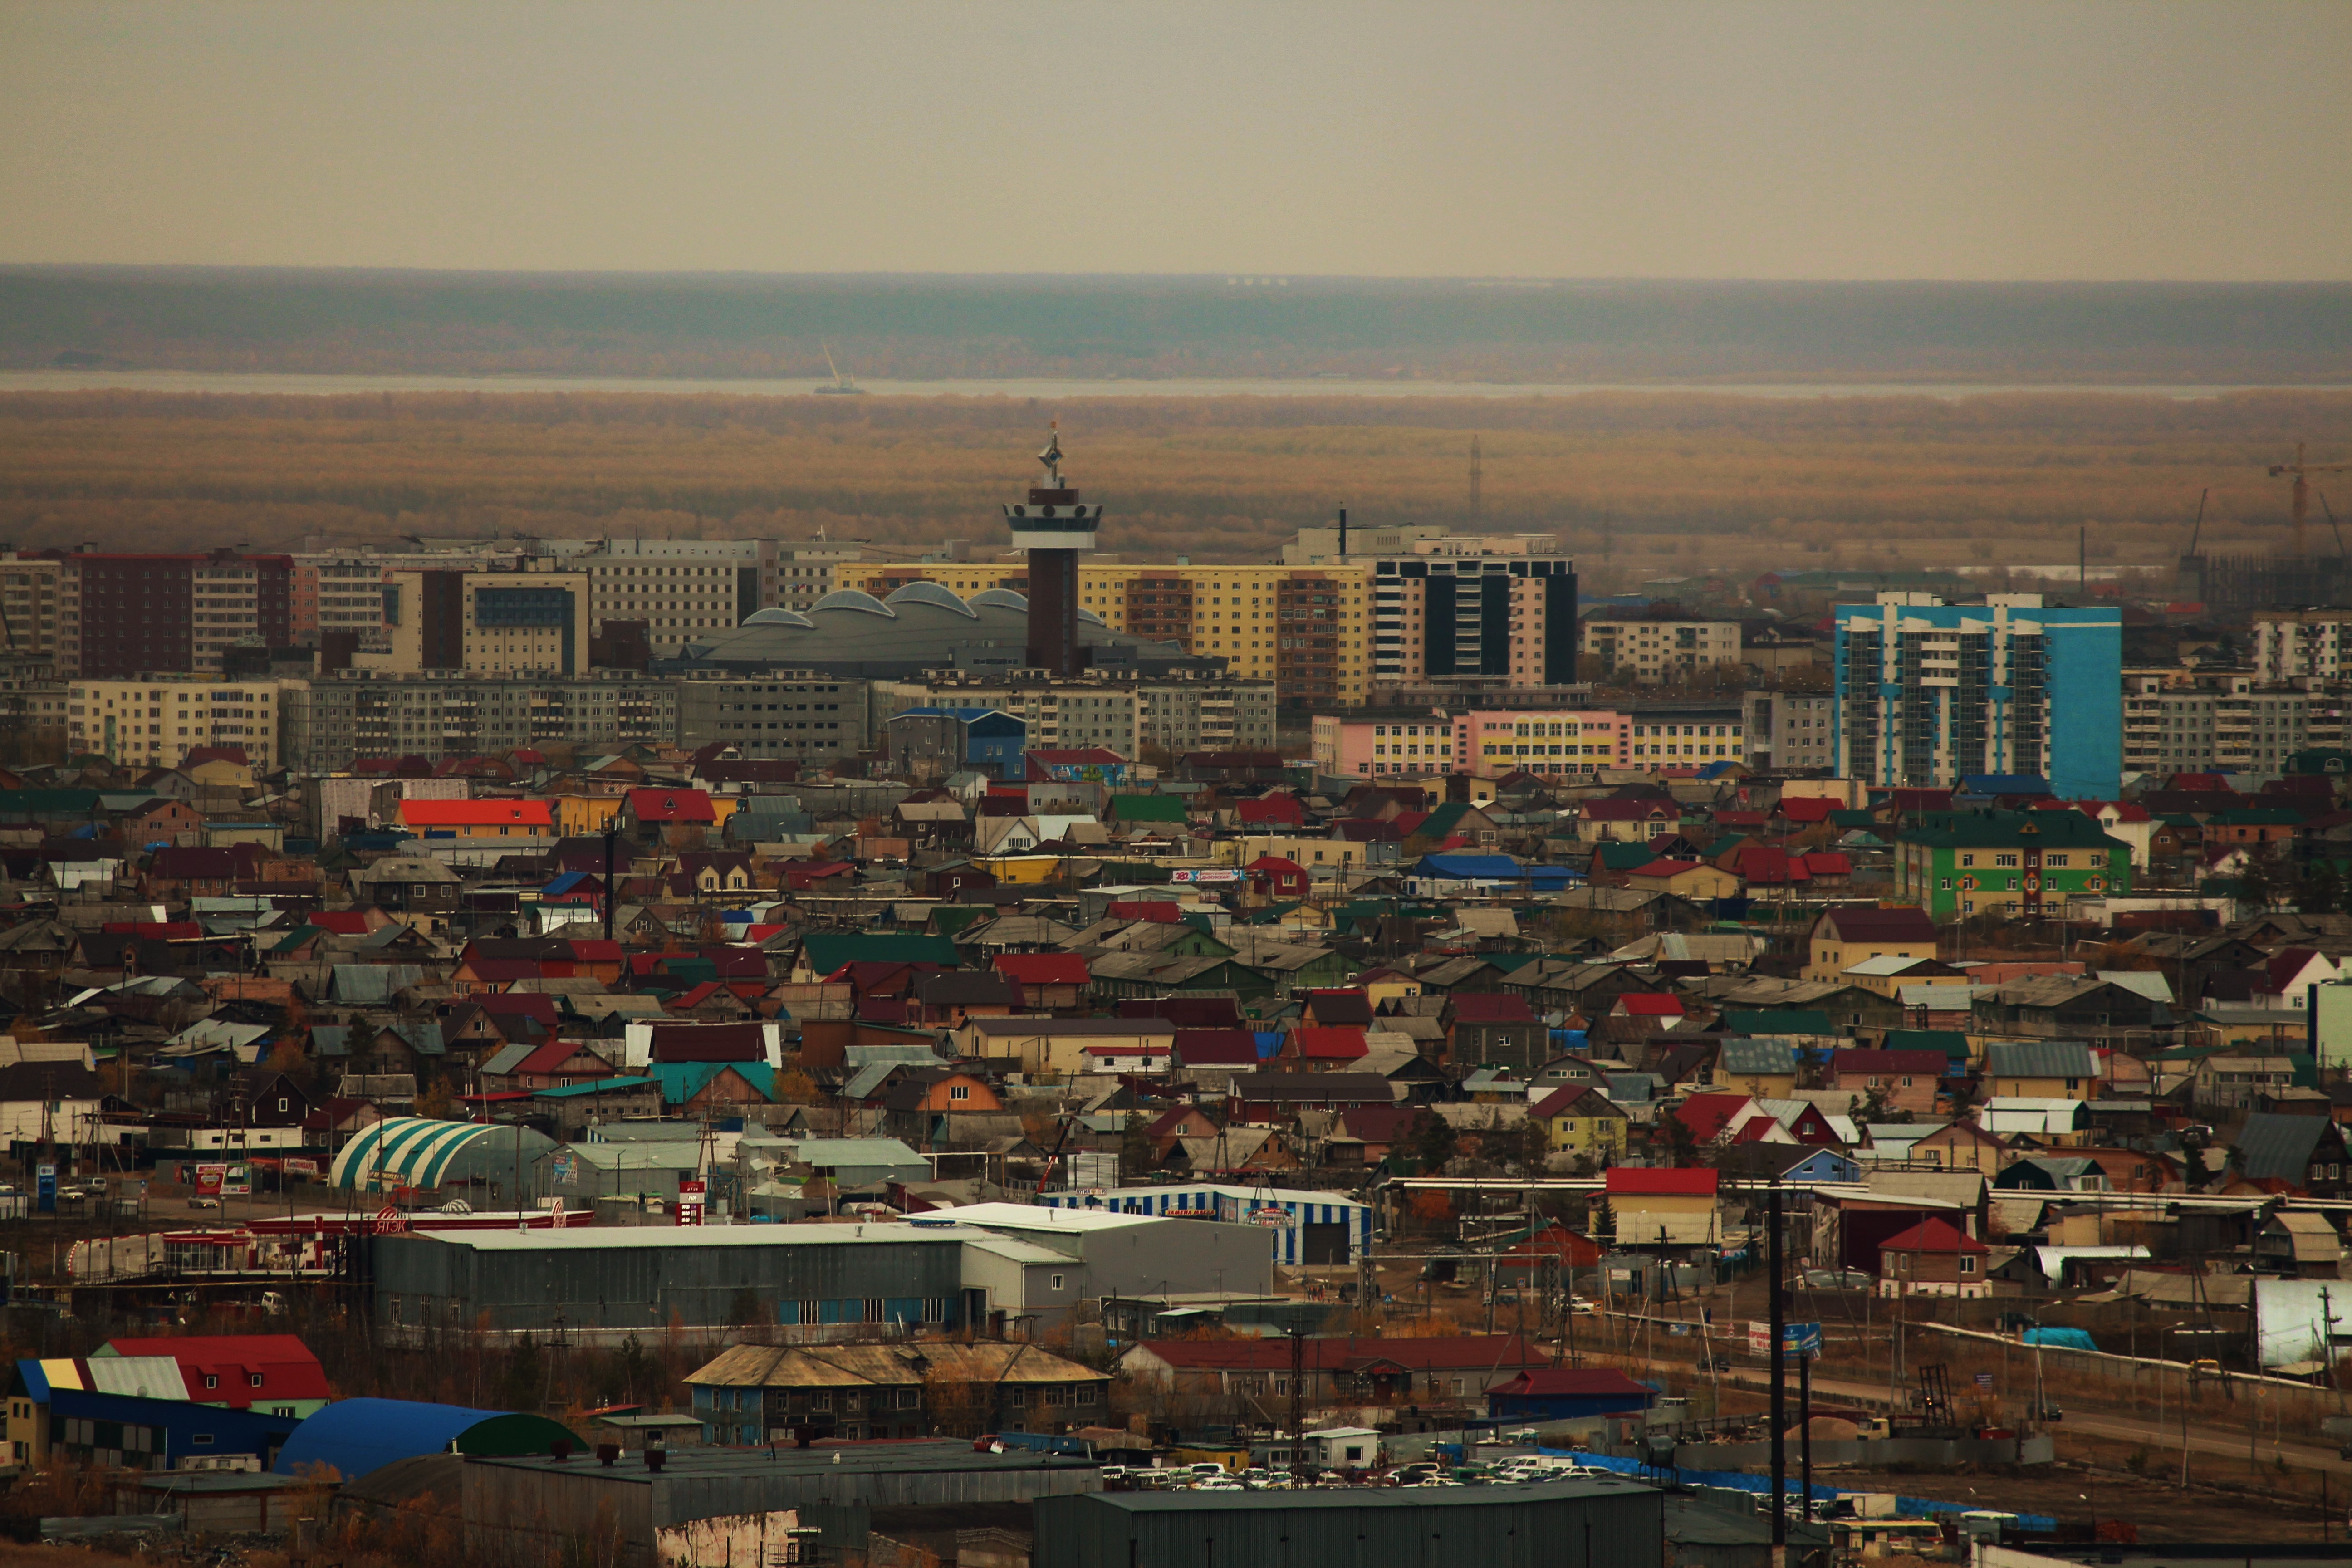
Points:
x=1930, y=693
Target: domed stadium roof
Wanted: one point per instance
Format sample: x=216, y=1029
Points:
x=854, y=599
x=425, y=1151
x=924, y=626
x=931, y=594
x=1090, y=617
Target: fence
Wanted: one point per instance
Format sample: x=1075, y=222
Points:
x=1740, y=1480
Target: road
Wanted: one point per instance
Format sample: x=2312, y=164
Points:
x=2157, y=1439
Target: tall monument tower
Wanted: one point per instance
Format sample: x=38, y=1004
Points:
x=1053, y=528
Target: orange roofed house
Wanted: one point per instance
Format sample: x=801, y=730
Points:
x=490, y=818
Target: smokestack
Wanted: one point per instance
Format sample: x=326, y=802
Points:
x=1053, y=528
x=1343, y=534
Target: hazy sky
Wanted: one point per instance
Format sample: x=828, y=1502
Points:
x=1967, y=139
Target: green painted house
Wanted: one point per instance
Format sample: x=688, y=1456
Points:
x=2008, y=863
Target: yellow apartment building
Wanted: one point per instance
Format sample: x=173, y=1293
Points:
x=1306, y=628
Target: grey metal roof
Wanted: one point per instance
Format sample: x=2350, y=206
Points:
x=866, y=1080
x=824, y=1152
x=2279, y=1148
x=1744, y=1056
x=2040, y=1058
x=362, y=985
x=424, y=1036
x=507, y=1059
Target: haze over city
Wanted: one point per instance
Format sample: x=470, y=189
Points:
x=1992, y=142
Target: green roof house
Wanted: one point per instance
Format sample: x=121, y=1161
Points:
x=2008, y=863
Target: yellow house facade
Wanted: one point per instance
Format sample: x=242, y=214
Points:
x=585, y=816
x=1057, y=1046
x=1843, y=938
x=1685, y=879
x=1321, y=857
x=1580, y=1120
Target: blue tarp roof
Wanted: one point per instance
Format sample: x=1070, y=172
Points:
x=1491, y=868
x=1465, y=866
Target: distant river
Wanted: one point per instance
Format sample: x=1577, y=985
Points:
x=1053, y=389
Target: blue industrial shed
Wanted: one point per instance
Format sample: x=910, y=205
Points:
x=357, y=1435
x=1566, y=1394
x=127, y=1430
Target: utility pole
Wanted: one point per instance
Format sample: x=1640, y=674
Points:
x=1779, y=1389
x=611, y=833
x=1298, y=1404
x=1805, y=1430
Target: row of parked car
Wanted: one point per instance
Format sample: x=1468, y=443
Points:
x=1213, y=1477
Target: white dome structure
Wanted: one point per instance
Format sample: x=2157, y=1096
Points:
x=926, y=592
x=854, y=599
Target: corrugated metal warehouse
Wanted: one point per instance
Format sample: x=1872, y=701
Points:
x=624, y=1279
x=1014, y=1269
x=1129, y=1253
x=716, y=1504
x=1309, y=1227
x=1553, y=1524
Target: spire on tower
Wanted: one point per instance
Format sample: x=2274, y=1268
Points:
x=1051, y=456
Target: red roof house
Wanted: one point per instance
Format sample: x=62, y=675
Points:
x=671, y=807
x=1278, y=877
x=1708, y=1115
x=239, y=1371
x=1042, y=968
x=1331, y=1046
x=1628, y=1181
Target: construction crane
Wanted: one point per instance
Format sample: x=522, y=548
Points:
x=843, y=385
x=2300, y=498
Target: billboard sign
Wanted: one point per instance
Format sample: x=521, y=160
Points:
x=1796, y=1339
